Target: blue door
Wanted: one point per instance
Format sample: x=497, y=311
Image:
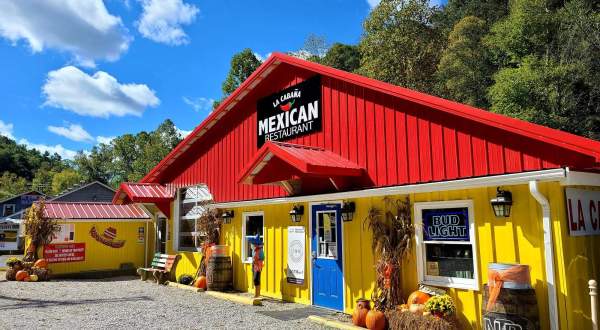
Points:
x=326, y=252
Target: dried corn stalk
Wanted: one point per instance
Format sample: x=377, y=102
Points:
x=39, y=229
x=392, y=239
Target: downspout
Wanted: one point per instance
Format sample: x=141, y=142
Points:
x=548, y=253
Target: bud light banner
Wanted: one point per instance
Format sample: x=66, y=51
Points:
x=446, y=224
x=292, y=112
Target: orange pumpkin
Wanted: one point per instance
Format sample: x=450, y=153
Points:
x=41, y=263
x=418, y=297
x=375, y=320
x=201, y=282
x=359, y=316
x=27, y=279
x=21, y=275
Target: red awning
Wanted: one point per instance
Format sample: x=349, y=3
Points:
x=143, y=193
x=278, y=162
x=63, y=210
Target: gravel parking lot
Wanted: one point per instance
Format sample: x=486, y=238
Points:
x=126, y=302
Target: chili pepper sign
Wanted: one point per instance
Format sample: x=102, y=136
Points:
x=583, y=212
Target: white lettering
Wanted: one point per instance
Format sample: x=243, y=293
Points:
x=313, y=110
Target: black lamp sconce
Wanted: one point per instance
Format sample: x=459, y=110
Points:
x=296, y=213
x=502, y=203
x=227, y=216
x=348, y=209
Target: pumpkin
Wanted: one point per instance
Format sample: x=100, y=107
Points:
x=21, y=275
x=33, y=278
x=201, y=282
x=416, y=308
x=41, y=263
x=375, y=320
x=418, y=297
x=359, y=316
x=27, y=279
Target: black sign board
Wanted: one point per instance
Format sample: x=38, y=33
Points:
x=292, y=112
x=450, y=224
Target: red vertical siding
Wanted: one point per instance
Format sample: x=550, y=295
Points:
x=396, y=141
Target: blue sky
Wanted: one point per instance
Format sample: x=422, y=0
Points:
x=76, y=73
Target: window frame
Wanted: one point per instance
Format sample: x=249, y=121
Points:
x=4, y=207
x=245, y=215
x=176, y=222
x=445, y=281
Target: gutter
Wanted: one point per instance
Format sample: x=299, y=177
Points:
x=548, y=253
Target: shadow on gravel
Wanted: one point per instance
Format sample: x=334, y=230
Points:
x=23, y=302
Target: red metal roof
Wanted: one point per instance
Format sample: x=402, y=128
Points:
x=307, y=160
x=64, y=210
x=143, y=193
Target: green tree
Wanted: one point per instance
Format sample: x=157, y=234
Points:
x=42, y=181
x=547, y=54
x=64, y=180
x=11, y=184
x=96, y=165
x=401, y=45
x=343, y=57
x=455, y=10
x=243, y=64
x=465, y=70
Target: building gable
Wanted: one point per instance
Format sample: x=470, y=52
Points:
x=399, y=136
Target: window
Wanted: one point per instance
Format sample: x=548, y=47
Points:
x=8, y=209
x=191, y=203
x=326, y=228
x=446, y=247
x=253, y=225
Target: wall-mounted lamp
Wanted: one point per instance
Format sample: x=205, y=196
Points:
x=296, y=213
x=227, y=216
x=348, y=209
x=502, y=203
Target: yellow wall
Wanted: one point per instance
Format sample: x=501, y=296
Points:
x=101, y=257
x=578, y=261
x=517, y=239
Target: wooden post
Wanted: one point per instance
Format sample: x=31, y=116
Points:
x=594, y=303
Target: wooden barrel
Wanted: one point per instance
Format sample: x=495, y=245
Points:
x=514, y=309
x=219, y=250
x=219, y=273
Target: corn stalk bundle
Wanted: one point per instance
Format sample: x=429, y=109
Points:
x=391, y=244
x=39, y=229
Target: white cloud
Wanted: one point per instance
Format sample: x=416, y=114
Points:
x=373, y=3
x=59, y=149
x=6, y=129
x=162, y=20
x=438, y=3
x=262, y=58
x=100, y=95
x=199, y=103
x=182, y=133
x=105, y=139
x=72, y=132
x=83, y=28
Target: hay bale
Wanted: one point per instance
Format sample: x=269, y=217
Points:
x=409, y=321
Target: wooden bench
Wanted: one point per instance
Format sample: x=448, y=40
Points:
x=160, y=268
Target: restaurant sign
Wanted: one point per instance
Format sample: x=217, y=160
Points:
x=583, y=211
x=296, y=248
x=292, y=112
x=450, y=224
x=69, y=252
